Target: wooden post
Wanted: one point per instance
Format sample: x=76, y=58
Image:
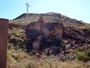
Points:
x=3, y=41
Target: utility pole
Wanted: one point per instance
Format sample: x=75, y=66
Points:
x=27, y=17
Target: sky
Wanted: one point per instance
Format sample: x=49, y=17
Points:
x=77, y=9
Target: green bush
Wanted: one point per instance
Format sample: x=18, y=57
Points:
x=87, y=31
x=83, y=56
x=88, y=53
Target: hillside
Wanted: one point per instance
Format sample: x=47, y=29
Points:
x=48, y=17
x=54, y=25
x=73, y=25
x=52, y=38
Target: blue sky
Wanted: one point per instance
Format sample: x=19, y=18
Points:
x=78, y=9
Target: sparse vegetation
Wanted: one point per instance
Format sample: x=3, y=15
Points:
x=20, y=59
x=17, y=57
x=83, y=56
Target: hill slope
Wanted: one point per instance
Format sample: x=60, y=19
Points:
x=48, y=17
x=54, y=25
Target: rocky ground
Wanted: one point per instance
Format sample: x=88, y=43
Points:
x=17, y=57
